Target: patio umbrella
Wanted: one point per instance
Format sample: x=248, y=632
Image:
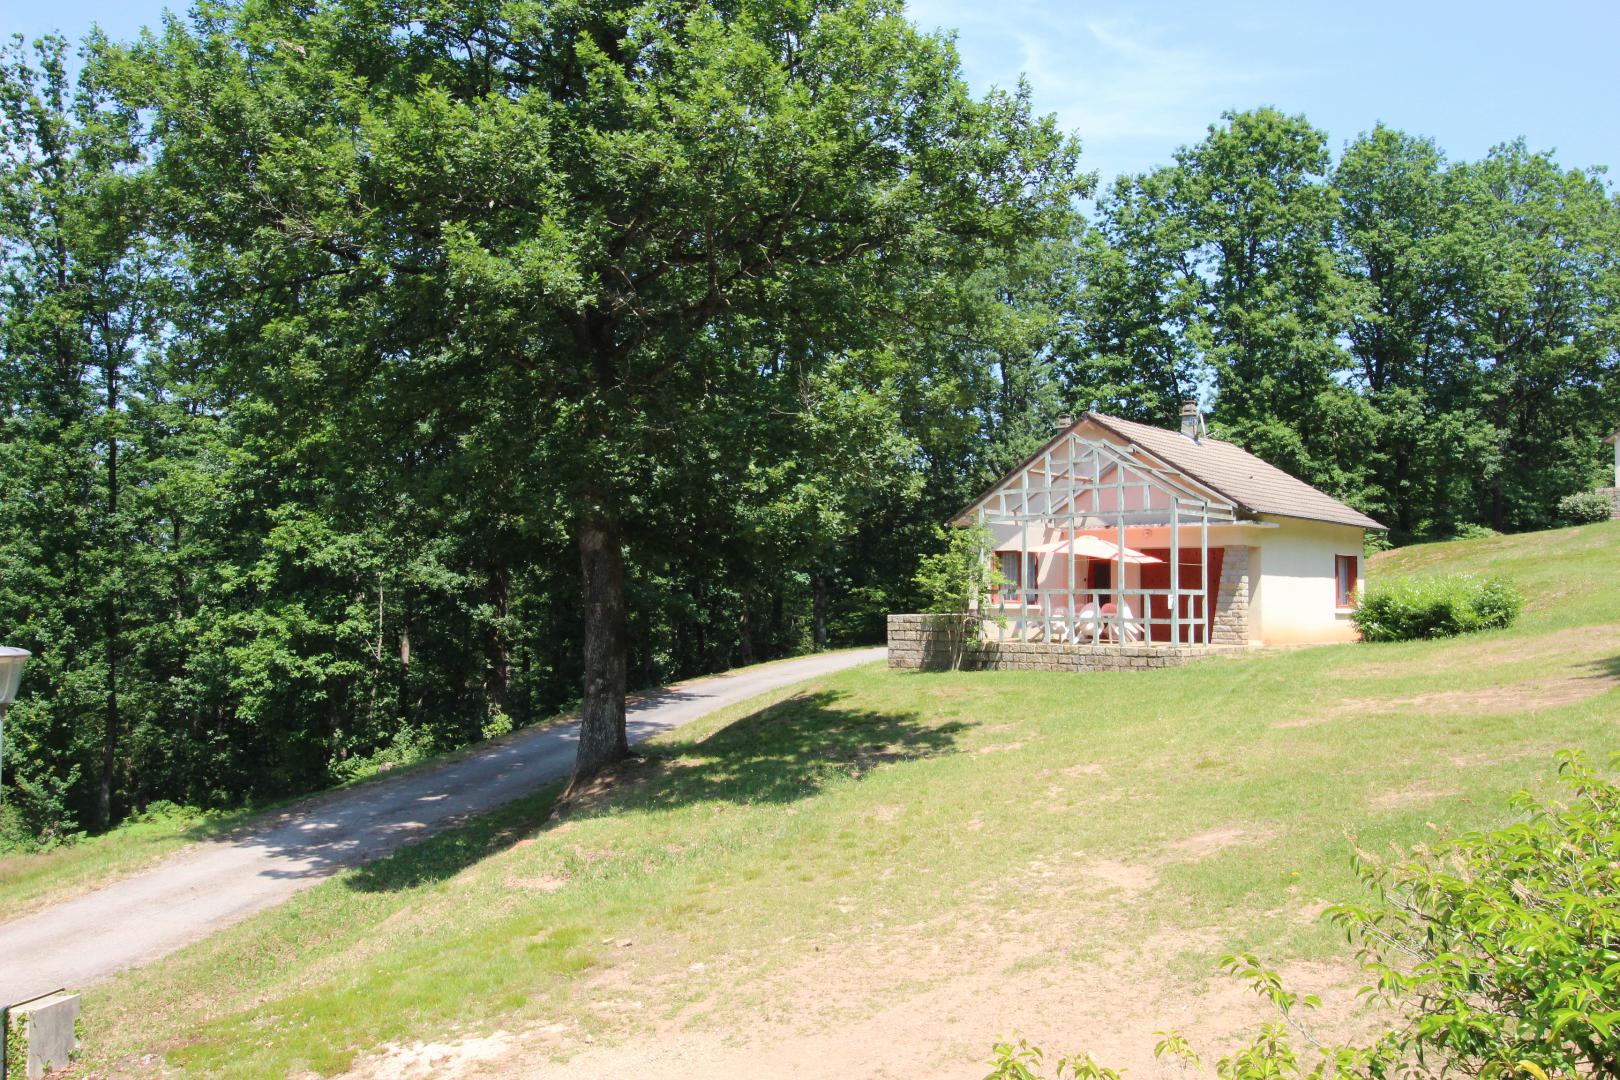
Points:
x=1095, y=547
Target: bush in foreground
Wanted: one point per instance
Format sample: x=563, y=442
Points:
x=1435, y=607
x=1585, y=508
x=1497, y=952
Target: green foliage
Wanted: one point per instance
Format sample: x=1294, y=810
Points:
x=408, y=746
x=15, y=1050
x=498, y=725
x=1433, y=342
x=960, y=578
x=630, y=279
x=320, y=328
x=1585, y=508
x=1501, y=949
x=1432, y=607
x=1021, y=1061
x=956, y=584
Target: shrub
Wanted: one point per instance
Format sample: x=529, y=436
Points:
x=1585, y=508
x=1434, y=607
x=1502, y=948
x=34, y=816
x=1498, y=952
x=957, y=581
x=1471, y=531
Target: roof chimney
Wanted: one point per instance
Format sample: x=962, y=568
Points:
x=1192, y=421
x=1064, y=423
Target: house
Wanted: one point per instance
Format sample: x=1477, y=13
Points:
x=1119, y=533
x=1614, y=492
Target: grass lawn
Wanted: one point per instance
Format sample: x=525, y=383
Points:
x=880, y=873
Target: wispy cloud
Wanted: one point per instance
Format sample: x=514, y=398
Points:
x=1129, y=90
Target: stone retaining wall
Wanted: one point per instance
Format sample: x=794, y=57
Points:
x=923, y=643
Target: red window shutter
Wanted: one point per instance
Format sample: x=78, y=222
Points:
x=1344, y=580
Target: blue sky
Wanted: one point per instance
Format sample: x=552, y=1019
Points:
x=1136, y=80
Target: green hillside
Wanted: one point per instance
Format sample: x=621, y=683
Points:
x=916, y=864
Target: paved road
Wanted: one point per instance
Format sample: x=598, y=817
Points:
x=218, y=882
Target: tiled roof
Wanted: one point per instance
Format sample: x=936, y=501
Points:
x=1232, y=471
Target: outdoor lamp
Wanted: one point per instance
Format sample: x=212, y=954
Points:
x=12, y=662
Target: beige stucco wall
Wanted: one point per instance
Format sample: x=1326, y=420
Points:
x=1294, y=599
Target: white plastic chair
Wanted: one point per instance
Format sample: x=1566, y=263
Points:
x=1110, y=622
x=1088, y=623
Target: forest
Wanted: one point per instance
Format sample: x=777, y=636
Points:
x=380, y=378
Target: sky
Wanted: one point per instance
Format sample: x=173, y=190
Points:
x=1135, y=80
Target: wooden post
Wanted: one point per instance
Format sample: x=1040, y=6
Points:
x=1071, y=618
x=1203, y=576
x=1175, y=572
x=1023, y=557
x=1119, y=556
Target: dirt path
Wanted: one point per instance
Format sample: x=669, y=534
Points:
x=219, y=882
x=1061, y=951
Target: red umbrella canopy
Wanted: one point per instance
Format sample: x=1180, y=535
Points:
x=1087, y=546
x=1082, y=546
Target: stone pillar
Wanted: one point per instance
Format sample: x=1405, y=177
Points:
x=43, y=1033
x=1232, y=599
x=925, y=642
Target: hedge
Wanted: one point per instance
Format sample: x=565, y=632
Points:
x=1435, y=607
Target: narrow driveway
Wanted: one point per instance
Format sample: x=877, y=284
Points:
x=218, y=882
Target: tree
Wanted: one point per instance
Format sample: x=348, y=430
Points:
x=1260, y=216
x=1537, y=248
x=577, y=217
x=1219, y=269
x=1139, y=305
x=1392, y=242
x=957, y=582
x=82, y=313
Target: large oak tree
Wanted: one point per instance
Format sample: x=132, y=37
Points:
x=554, y=229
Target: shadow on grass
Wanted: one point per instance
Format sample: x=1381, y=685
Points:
x=448, y=853
x=1607, y=669
x=783, y=753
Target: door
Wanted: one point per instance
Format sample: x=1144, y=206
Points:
x=1157, y=576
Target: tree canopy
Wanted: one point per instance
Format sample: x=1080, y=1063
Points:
x=382, y=376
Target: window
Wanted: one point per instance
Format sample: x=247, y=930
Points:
x=1029, y=577
x=1344, y=581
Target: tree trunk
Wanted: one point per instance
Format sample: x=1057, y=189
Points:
x=109, y=741
x=745, y=635
x=818, y=610
x=498, y=680
x=602, y=740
